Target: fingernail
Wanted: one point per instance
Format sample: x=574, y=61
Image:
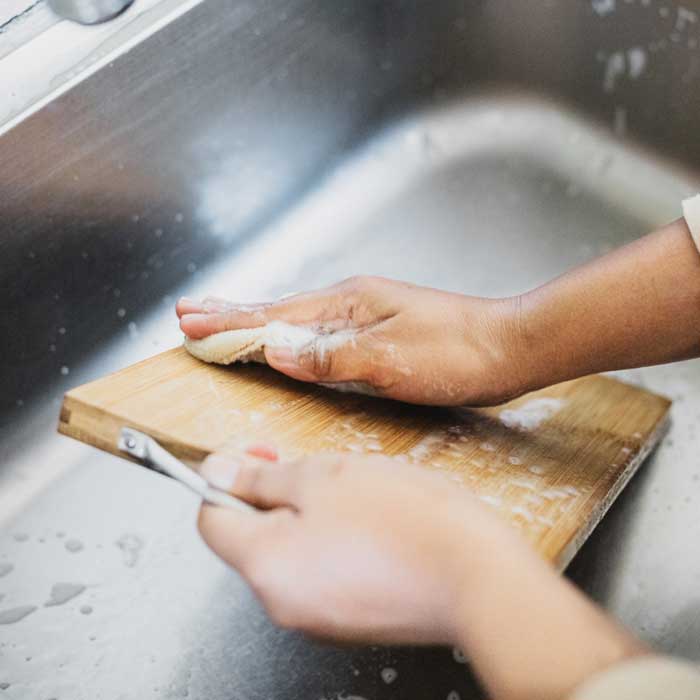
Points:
x=194, y=317
x=215, y=306
x=219, y=471
x=263, y=452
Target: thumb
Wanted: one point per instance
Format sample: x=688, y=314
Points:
x=342, y=356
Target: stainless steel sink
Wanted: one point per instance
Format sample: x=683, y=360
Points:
x=254, y=148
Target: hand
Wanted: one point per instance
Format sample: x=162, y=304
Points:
x=370, y=549
x=409, y=343
x=351, y=548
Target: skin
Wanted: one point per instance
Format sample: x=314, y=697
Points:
x=344, y=528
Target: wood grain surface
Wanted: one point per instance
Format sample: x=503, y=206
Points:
x=550, y=462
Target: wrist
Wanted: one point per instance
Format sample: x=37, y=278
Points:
x=538, y=351
x=527, y=631
x=508, y=349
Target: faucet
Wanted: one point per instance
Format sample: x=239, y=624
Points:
x=88, y=11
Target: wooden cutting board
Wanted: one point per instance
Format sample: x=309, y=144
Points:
x=551, y=462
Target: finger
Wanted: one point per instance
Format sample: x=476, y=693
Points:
x=263, y=452
x=208, y=305
x=260, y=482
x=343, y=356
x=322, y=306
x=233, y=535
x=185, y=305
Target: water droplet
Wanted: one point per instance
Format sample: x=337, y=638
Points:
x=179, y=217
x=73, y=546
x=86, y=609
x=65, y=371
x=4, y=686
x=389, y=675
x=21, y=537
x=63, y=592
x=9, y=617
x=191, y=267
x=158, y=232
x=5, y=568
x=52, y=347
x=62, y=330
x=131, y=546
x=458, y=655
x=121, y=312
x=133, y=330
x=453, y=695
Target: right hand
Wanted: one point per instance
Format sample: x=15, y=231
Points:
x=410, y=343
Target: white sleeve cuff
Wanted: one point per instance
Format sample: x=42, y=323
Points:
x=691, y=212
x=644, y=678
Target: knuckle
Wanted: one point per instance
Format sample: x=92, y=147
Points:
x=319, y=359
x=284, y=615
x=247, y=479
x=381, y=377
x=362, y=283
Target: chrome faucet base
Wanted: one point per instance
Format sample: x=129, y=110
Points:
x=88, y=11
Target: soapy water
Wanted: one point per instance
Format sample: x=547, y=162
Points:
x=12, y=615
x=131, y=546
x=61, y=593
x=73, y=546
x=389, y=675
x=532, y=414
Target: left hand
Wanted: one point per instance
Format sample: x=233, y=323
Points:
x=351, y=548
x=369, y=549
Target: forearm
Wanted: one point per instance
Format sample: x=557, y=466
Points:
x=639, y=305
x=528, y=632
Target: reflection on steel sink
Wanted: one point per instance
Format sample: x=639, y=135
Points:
x=251, y=149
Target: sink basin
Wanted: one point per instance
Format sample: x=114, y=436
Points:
x=250, y=149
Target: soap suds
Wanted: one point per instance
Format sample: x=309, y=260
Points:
x=429, y=446
x=248, y=344
x=532, y=414
x=522, y=512
x=524, y=484
x=554, y=494
x=491, y=500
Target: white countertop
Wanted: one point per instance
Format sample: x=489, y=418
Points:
x=41, y=55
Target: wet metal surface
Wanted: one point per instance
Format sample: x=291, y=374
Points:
x=294, y=144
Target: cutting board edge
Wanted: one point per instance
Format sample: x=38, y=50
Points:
x=571, y=548
x=106, y=427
